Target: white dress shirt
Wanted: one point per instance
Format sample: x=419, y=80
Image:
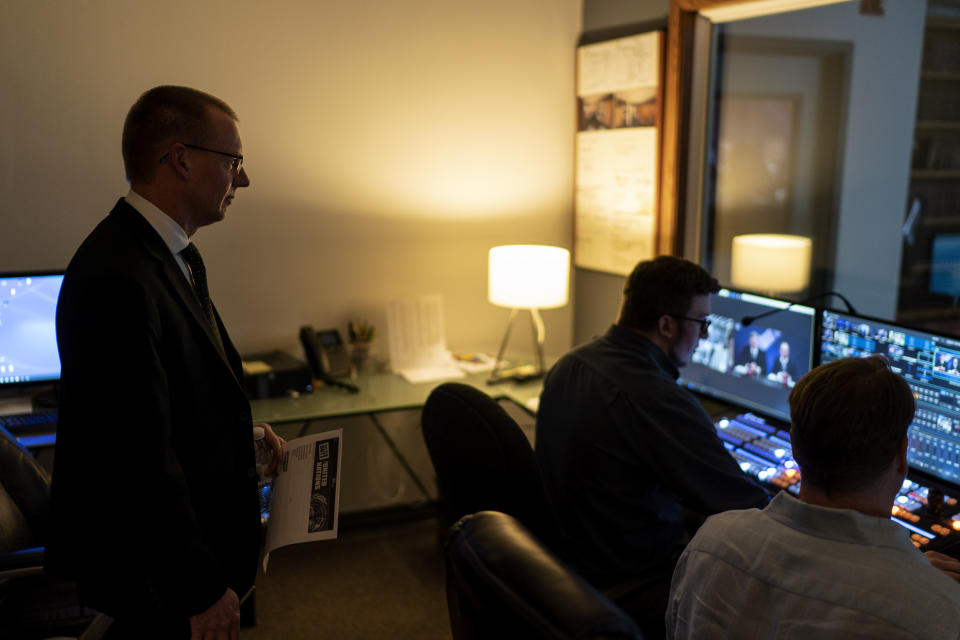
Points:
x=796, y=571
x=170, y=231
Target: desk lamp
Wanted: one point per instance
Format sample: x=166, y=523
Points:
x=771, y=263
x=532, y=277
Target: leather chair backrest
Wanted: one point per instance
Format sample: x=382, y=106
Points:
x=502, y=582
x=15, y=533
x=483, y=459
x=32, y=603
x=27, y=486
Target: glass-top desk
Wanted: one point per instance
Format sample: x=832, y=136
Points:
x=385, y=467
x=378, y=392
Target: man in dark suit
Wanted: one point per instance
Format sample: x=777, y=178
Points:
x=784, y=368
x=154, y=489
x=752, y=357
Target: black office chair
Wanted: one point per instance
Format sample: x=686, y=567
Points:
x=32, y=604
x=484, y=461
x=503, y=583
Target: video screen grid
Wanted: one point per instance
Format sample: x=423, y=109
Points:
x=929, y=363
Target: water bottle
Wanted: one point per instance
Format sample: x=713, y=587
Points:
x=263, y=455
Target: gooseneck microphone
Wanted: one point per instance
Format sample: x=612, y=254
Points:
x=748, y=320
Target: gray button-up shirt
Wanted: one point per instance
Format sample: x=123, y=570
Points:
x=796, y=570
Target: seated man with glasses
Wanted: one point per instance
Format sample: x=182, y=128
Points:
x=621, y=446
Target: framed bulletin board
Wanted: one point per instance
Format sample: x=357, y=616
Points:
x=617, y=150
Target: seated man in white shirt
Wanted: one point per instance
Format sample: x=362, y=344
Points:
x=831, y=564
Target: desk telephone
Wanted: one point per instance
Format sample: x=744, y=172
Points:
x=327, y=355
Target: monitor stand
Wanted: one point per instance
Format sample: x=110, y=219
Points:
x=14, y=405
x=29, y=400
x=46, y=398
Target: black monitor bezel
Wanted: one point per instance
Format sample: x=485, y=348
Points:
x=8, y=387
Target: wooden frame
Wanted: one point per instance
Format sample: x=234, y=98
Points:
x=676, y=115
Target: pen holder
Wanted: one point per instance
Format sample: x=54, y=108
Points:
x=360, y=354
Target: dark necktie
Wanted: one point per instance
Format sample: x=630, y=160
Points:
x=192, y=257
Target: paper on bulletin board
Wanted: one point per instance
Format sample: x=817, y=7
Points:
x=617, y=65
x=615, y=198
x=617, y=152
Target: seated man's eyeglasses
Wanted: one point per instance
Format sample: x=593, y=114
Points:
x=703, y=322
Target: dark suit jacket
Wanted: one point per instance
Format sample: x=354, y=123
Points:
x=154, y=489
x=760, y=360
x=791, y=367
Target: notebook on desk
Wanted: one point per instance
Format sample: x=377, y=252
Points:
x=418, y=349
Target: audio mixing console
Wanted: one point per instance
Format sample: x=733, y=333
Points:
x=763, y=451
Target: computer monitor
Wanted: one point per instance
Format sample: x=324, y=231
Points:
x=930, y=364
x=28, y=335
x=945, y=265
x=752, y=363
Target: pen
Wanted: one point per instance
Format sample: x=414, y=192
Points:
x=247, y=595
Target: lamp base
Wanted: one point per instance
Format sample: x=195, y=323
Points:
x=523, y=373
x=526, y=371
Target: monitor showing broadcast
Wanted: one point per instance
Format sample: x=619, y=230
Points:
x=28, y=334
x=929, y=363
x=750, y=359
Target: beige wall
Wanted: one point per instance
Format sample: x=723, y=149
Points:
x=389, y=146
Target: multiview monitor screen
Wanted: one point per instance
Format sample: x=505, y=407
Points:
x=752, y=363
x=28, y=335
x=930, y=364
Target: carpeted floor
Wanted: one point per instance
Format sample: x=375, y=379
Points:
x=383, y=581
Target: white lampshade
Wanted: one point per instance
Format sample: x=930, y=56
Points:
x=746, y=10
x=771, y=262
x=528, y=276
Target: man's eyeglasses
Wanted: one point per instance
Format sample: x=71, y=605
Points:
x=703, y=322
x=235, y=166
